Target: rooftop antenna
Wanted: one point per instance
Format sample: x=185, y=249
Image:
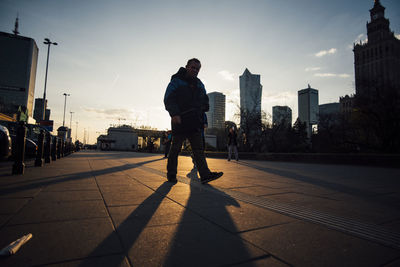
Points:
x=15, y=31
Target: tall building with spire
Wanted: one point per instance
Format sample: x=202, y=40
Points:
x=18, y=62
x=250, y=98
x=377, y=61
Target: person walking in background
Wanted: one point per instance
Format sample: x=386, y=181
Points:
x=186, y=101
x=232, y=144
x=167, y=142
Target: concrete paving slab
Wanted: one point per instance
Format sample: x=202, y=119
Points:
x=305, y=244
x=153, y=214
x=28, y=190
x=61, y=241
x=76, y=195
x=268, y=260
x=257, y=190
x=39, y=211
x=4, y=218
x=393, y=225
x=129, y=198
x=113, y=260
x=9, y=206
x=88, y=184
x=394, y=263
x=133, y=187
x=242, y=217
x=186, y=244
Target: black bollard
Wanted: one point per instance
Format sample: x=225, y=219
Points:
x=62, y=148
x=47, y=148
x=19, y=165
x=39, y=154
x=58, y=148
x=54, y=149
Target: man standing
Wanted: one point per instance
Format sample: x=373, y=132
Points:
x=232, y=144
x=186, y=101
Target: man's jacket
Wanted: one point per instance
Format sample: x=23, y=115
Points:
x=188, y=99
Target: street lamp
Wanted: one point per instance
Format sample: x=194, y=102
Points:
x=48, y=43
x=65, y=104
x=70, y=122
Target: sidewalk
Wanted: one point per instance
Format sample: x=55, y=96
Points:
x=116, y=209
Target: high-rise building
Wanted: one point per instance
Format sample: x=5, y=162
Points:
x=18, y=62
x=250, y=99
x=308, y=107
x=377, y=61
x=282, y=115
x=216, y=114
x=38, y=111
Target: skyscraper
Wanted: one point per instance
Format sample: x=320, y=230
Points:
x=308, y=107
x=18, y=62
x=282, y=115
x=250, y=99
x=216, y=114
x=377, y=61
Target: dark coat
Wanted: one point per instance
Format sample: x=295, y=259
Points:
x=188, y=99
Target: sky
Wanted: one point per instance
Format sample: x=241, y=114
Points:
x=115, y=58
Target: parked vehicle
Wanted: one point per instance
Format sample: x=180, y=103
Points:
x=30, y=147
x=5, y=143
x=32, y=134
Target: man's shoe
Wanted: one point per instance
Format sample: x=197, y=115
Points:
x=172, y=179
x=213, y=176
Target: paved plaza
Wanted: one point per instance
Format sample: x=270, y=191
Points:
x=116, y=209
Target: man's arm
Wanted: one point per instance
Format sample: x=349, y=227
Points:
x=170, y=99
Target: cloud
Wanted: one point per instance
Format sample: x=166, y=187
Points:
x=312, y=68
x=324, y=75
x=326, y=52
x=227, y=75
x=397, y=36
x=281, y=97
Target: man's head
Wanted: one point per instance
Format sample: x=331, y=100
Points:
x=193, y=67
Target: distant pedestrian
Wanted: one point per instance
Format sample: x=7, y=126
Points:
x=167, y=142
x=186, y=101
x=232, y=144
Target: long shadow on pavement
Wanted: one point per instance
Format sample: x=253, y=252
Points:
x=128, y=234
x=208, y=243
x=32, y=184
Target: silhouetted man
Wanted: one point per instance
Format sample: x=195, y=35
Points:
x=186, y=101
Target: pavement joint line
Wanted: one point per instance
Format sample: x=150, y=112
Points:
x=247, y=261
x=367, y=231
x=81, y=259
x=57, y=221
x=5, y=224
x=113, y=224
x=262, y=227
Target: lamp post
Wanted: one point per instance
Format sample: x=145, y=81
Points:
x=48, y=43
x=76, y=132
x=65, y=104
x=70, y=124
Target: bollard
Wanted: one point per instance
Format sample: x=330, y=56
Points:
x=62, y=148
x=39, y=155
x=58, y=147
x=54, y=149
x=19, y=165
x=47, y=148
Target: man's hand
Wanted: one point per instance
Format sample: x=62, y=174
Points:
x=176, y=119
